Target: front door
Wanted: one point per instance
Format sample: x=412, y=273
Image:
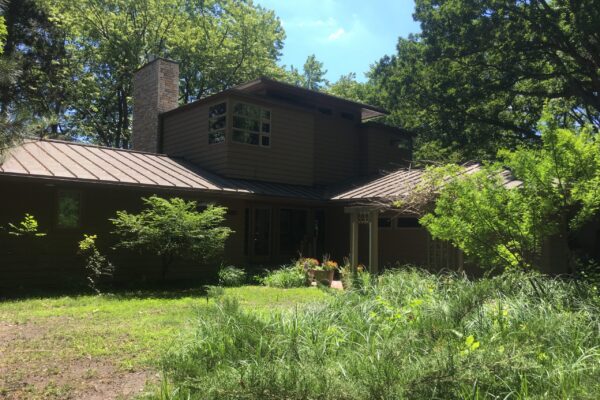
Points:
x=261, y=235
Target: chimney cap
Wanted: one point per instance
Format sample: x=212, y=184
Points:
x=152, y=58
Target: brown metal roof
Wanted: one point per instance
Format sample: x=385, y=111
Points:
x=68, y=161
x=400, y=183
x=79, y=162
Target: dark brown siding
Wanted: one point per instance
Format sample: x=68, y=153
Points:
x=336, y=149
x=380, y=151
x=53, y=260
x=185, y=134
x=290, y=157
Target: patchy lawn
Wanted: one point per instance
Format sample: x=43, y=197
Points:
x=106, y=347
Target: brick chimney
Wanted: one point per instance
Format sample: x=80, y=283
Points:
x=155, y=90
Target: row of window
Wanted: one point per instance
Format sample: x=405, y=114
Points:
x=251, y=124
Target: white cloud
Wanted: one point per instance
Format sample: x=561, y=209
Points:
x=337, y=34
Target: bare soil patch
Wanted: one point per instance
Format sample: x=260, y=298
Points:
x=38, y=374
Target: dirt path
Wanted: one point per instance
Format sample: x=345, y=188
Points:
x=28, y=371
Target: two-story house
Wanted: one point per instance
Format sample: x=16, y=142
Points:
x=296, y=169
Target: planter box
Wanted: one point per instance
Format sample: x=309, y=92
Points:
x=315, y=275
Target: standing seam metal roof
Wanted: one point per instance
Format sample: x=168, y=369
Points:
x=53, y=159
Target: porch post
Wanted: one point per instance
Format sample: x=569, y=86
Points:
x=353, y=240
x=374, y=242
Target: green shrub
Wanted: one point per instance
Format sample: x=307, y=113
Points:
x=232, y=276
x=286, y=277
x=406, y=335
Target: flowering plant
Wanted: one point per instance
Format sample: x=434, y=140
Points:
x=307, y=263
x=329, y=265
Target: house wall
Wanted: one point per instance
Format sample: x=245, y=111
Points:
x=289, y=158
x=336, y=148
x=53, y=259
x=308, y=147
x=380, y=150
x=185, y=134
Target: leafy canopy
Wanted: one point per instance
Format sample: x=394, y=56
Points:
x=219, y=43
x=504, y=226
x=477, y=77
x=173, y=228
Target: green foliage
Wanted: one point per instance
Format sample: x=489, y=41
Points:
x=477, y=76
x=173, y=228
x=411, y=335
x=505, y=227
x=28, y=227
x=97, y=266
x=3, y=33
x=43, y=88
x=232, y=276
x=219, y=43
x=285, y=277
x=349, y=88
x=312, y=75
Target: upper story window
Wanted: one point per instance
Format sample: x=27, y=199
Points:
x=251, y=124
x=217, y=122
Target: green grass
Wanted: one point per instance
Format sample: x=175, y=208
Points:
x=409, y=335
x=130, y=331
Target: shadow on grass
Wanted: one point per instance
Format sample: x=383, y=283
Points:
x=167, y=290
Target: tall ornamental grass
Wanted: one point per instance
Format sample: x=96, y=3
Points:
x=408, y=335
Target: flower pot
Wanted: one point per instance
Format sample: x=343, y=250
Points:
x=317, y=275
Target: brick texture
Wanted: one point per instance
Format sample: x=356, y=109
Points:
x=155, y=90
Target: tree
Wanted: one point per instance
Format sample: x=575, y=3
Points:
x=349, y=88
x=172, y=229
x=219, y=43
x=505, y=226
x=312, y=76
x=477, y=77
x=42, y=89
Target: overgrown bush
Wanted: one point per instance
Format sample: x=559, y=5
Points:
x=232, y=276
x=286, y=277
x=97, y=266
x=408, y=335
x=173, y=228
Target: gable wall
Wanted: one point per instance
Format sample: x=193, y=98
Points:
x=336, y=149
x=379, y=152
x=185, y=134
x=290, y=157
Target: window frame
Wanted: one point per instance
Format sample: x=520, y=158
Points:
x=212, y=118
x=261, y=120
x=79, y=195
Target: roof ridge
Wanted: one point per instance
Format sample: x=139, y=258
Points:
x=92, y=145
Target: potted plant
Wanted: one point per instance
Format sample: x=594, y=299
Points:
x=318, y=272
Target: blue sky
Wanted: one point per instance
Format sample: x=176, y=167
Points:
x=346, y=35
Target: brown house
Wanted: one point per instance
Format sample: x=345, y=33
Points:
x=294, y=167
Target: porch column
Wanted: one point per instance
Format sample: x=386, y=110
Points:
x=353, y=241
x=374, y=242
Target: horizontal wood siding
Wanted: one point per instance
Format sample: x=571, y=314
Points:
x=380, y=152
x=185, y=134
x=336, y=149
x=290, y=157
